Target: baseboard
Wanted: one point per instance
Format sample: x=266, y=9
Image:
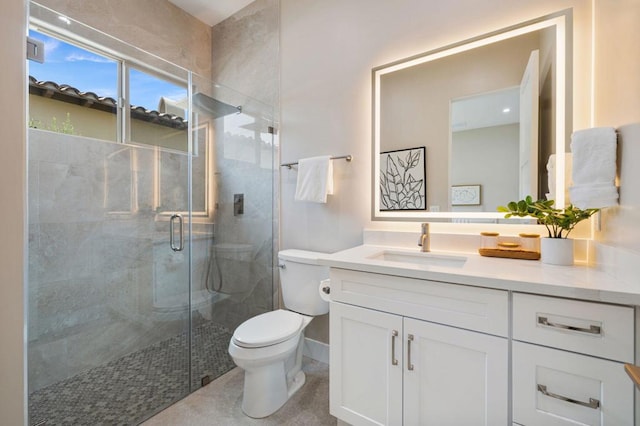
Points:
x=318, y=351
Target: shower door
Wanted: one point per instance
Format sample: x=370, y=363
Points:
x=144, y=256
x=108, y=281
x=109, y=240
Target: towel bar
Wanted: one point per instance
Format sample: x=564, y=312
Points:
x=346, y=157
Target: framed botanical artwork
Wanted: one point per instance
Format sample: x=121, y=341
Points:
x=465, y=195
x=403, y=183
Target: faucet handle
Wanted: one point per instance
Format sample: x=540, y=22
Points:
x=425, y=227
x=425, y=232
x=424, y=240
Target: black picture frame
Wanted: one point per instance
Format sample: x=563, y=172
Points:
x=403, y=179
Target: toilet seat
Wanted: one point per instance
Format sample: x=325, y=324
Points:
x=268, y=329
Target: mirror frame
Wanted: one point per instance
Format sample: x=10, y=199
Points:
x=562, y=21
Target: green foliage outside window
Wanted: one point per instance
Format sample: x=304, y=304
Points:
x=65, y=127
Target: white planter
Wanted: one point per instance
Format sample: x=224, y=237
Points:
x=556, y=251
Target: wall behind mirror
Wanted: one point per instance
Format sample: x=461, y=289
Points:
x=475, y=159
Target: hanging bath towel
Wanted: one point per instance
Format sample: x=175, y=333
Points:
x=594, y=168
x=315, y=179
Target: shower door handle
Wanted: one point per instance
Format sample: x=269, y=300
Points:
x=172, y=235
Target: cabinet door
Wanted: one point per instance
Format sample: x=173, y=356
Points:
x=366, y=374
x=554, y=387
x=454, y=376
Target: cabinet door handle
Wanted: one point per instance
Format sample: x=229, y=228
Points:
x=593, y=329
x=394, y=360
x=593, y=403
x=409, y=340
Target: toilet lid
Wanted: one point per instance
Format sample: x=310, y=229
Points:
x=267, y=329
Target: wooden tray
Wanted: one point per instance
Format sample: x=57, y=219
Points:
x=511, y=254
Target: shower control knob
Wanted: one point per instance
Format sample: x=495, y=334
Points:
x=326, y=290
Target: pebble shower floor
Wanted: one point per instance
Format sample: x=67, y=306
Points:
x=130, y=389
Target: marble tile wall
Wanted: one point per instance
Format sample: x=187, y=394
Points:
x=243, y=250
x=156, y=26
x=103, y=281
x=99, y=253
x=245, y=52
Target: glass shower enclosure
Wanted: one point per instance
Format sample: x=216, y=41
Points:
x=146, y=249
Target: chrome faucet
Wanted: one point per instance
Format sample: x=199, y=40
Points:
x=425, y=239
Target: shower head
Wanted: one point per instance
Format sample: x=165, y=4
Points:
x=205, y=104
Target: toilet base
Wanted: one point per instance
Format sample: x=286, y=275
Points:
x=297, y=383
x=272, y=374
x=256, y=402
x=269, y=386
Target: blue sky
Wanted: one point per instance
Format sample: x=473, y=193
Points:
x=88, y=72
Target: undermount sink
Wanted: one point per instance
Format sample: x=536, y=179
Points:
x=420, y=258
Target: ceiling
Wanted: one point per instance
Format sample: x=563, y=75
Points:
x=486, y=110
x=211, y=11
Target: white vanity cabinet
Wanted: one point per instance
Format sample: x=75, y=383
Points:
x=423, y=338
x=403, y=351
x=568, y=360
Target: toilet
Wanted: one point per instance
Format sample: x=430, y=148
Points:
x=268, y=347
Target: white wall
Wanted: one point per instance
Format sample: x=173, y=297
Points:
x=488, y=156
x=617, y=103
x=12, y=196
x=328, y=49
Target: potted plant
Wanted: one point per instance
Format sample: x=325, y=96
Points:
x=556, y=249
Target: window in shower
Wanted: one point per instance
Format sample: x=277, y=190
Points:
x=81, y=89
x=158, y=108
x=74, y=91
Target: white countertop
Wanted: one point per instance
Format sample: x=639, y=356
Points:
x=577, y=282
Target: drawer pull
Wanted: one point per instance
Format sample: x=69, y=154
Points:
x=409, y=340
x=394, y=360
x=593, y=329
x=593, y=403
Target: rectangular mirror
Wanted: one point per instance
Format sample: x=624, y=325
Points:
x=486, y=114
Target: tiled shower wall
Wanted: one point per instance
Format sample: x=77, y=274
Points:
x=97, y=250
x=244, y=242
x=245, y=48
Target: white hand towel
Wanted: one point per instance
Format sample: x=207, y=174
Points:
x=594, y=196
x=594, y=155
x=594, y=168
x=315, y=179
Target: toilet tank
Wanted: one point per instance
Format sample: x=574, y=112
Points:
x=300, y=276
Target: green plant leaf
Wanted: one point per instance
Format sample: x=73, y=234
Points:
x=559, y=222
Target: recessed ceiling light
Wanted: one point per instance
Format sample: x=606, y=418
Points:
x=506, y=110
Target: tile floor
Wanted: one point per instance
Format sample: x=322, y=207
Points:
x=219, y=403
x=129, y=389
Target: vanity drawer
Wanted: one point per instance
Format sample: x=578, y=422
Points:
x=591, y=328
x=554, y=387
x=473, y=308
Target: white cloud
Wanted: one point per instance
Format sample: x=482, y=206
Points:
x=78, y=57
x=50, y=45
